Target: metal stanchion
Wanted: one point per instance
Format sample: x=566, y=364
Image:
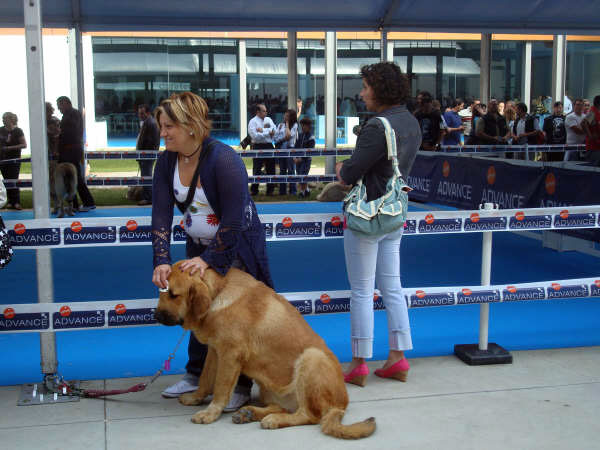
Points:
x=484, y=353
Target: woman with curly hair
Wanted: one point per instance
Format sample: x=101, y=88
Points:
x=371, y=259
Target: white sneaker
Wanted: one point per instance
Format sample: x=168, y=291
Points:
x=237, y=400
x=188, y=383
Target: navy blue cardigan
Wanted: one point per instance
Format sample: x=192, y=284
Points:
x=225, y=181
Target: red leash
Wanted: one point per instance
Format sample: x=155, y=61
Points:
x=65, y=389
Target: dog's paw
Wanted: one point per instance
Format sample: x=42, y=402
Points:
x=243, y=415
x=269, y=423
x=206, y=416
x=190, y=399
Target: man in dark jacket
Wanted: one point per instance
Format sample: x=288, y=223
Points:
x=555, y=132
x=148, y=139
x=491, y=128
x=70, y=149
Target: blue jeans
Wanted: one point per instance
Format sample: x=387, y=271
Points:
x=368, y=260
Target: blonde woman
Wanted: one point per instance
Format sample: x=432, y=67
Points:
x=220, y=219
x=12, y=141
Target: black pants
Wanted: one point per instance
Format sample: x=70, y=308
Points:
x=197, y=351
x=82, y=189
x=257, y=165
x=287, y=167
x=11, y=172
x=146, y=166
x=591, y=156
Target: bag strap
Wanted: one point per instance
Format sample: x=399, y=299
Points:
x=390, y=138
x=183, y=206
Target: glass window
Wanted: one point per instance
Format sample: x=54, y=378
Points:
x=446, y=69
x=267, y=83
x=583, y=70
x=351, y=55
x=506, y=71
x=132, y=71
x=541, y=79
x=311, y=87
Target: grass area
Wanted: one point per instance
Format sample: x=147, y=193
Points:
x=117, y=196
x=127, y=165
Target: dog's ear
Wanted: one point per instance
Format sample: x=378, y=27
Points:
x=198, y=302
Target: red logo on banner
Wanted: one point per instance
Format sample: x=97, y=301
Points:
x=9, y=313
x=556, y=286
x=181, y=224
x=550, y=183
x=212, y=219
x=287, y=222
x=131, y=225
x=474, y=217
x=420, y=294
x=65, y=311
x=446, y=169
x=76, y=227
x=564, y=213
x=491, y=175
x=19, y=228
x=511, y=289
x=325, y=298
x=336, y=221
x=120, y=308
x=375, y=297
x=520, y=215
x=429, y=218
x=467, y=292
x=597, y=283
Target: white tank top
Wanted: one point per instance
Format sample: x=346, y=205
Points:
x=199, y=220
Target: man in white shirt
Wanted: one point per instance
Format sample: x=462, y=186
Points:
x=575, y=134
x=261, y=129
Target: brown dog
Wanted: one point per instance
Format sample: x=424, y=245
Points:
x=250, y=329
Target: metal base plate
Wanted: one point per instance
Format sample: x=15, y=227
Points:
x=471, y=355
x=38, y=394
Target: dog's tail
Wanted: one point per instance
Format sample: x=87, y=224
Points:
x=331, y=424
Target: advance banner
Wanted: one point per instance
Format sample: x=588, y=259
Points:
x=111, y=231
x=466, y=183
x=72, y=316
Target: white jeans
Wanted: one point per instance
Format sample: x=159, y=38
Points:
x=370, y=259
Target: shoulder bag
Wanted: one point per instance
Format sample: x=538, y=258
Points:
x=386, y=213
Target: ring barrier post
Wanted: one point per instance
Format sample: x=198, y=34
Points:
x=484, y=353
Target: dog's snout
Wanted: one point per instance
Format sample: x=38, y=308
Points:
x=166, y=318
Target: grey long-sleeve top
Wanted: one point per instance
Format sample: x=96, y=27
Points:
x=369, y=159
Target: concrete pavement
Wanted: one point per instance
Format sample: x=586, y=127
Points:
x=546, y=399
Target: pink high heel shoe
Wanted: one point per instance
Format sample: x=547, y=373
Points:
x=358, y=375
x=398, y=370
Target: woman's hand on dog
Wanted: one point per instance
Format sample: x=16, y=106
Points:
x=195, y=264
x=160, y=275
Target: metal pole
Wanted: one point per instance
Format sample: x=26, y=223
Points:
x=559, y=63
x=486, y=270
x=485, y=67
x=292, y=60
x=39, y=166
x=243, y=89
x=330, y=98
x=526, y=80
x=384, y=46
